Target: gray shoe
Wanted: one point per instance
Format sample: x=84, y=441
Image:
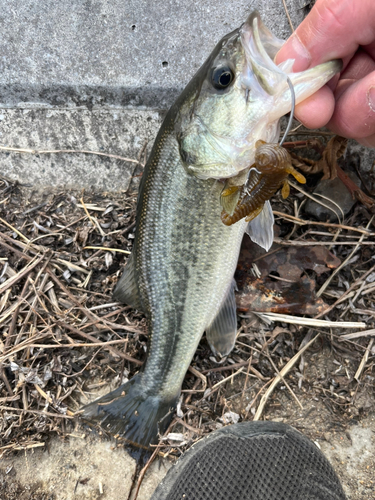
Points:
x=252, y=461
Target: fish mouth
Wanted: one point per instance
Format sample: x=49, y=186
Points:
x=264, y=78
x=260, y=47
x=264, y=87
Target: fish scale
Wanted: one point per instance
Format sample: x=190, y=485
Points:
x=184, y=295
x=180, y=272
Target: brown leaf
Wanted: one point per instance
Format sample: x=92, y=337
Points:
x=364, y=199
x=291, y=262
x=265, y=295
x=290, y=295
x=355, y=190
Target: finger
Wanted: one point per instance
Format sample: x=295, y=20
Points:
x=354, y=68
x=370, y=49
x=333, y=29
x=368, y=141
x=354, y=114
x=317, y=110
x=360, y=65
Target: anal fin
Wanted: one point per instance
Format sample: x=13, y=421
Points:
x=260, y=229
x=126, y=290
x=221, y=334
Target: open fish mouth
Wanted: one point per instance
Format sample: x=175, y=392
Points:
x=263, y=77
x=261, y=74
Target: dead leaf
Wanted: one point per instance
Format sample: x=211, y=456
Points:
x=290, y=295
x=291, y=262
x=334, y=150
x=265, y=295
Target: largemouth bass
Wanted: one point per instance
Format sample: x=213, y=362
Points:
x=180, y=273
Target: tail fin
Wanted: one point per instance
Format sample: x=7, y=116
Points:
x=133, y=413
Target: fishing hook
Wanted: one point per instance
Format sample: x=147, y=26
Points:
x=293, y=95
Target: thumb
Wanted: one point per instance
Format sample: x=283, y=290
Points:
x=333, y=29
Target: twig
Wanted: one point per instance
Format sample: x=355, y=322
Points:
x=14, y=250
x=248, y=408
x=87, y=336
x=15, y=230
x=298, y=320
x=106, y=249
x=37, y=412
x=216, y=386
x=285, y=382
x=149, y=462
x=282, y=374
x=26, y=270
x=93, y=221
x=49, y=399
x=297, y=243
x=7, y=384
x=364, y=360
x=347, y=292
x=318, y=201
x=199, y=375
x=54, y=151
x=303, y=222
x=16, y=311
x=288, y=16
x=246, y=380
x=187, y=426
x=356, y=335
x=346, y=261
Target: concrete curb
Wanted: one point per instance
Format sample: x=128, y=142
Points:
x=68, y=69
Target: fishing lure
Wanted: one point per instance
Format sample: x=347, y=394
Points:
x=270, y=171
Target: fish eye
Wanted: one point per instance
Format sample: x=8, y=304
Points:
x=222, y=77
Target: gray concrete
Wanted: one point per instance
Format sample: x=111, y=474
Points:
x=98, y=75
x=95, y=52
x=119, y=131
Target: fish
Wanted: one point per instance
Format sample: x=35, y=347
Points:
x=181, y=270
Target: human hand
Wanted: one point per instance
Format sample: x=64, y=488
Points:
x=343, y=29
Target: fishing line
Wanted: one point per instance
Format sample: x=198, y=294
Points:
x=289, y=126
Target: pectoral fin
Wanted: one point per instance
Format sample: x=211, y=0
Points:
x=260, y=229
x=229, y=199
x=126, y=290
x=221, y=334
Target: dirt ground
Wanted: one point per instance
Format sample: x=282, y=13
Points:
x=75, y=468
x=82, y=465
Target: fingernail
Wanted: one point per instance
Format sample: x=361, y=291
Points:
x=371, y=98
x=294, y=49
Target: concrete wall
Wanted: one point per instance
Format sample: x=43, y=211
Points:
x=99, y=75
